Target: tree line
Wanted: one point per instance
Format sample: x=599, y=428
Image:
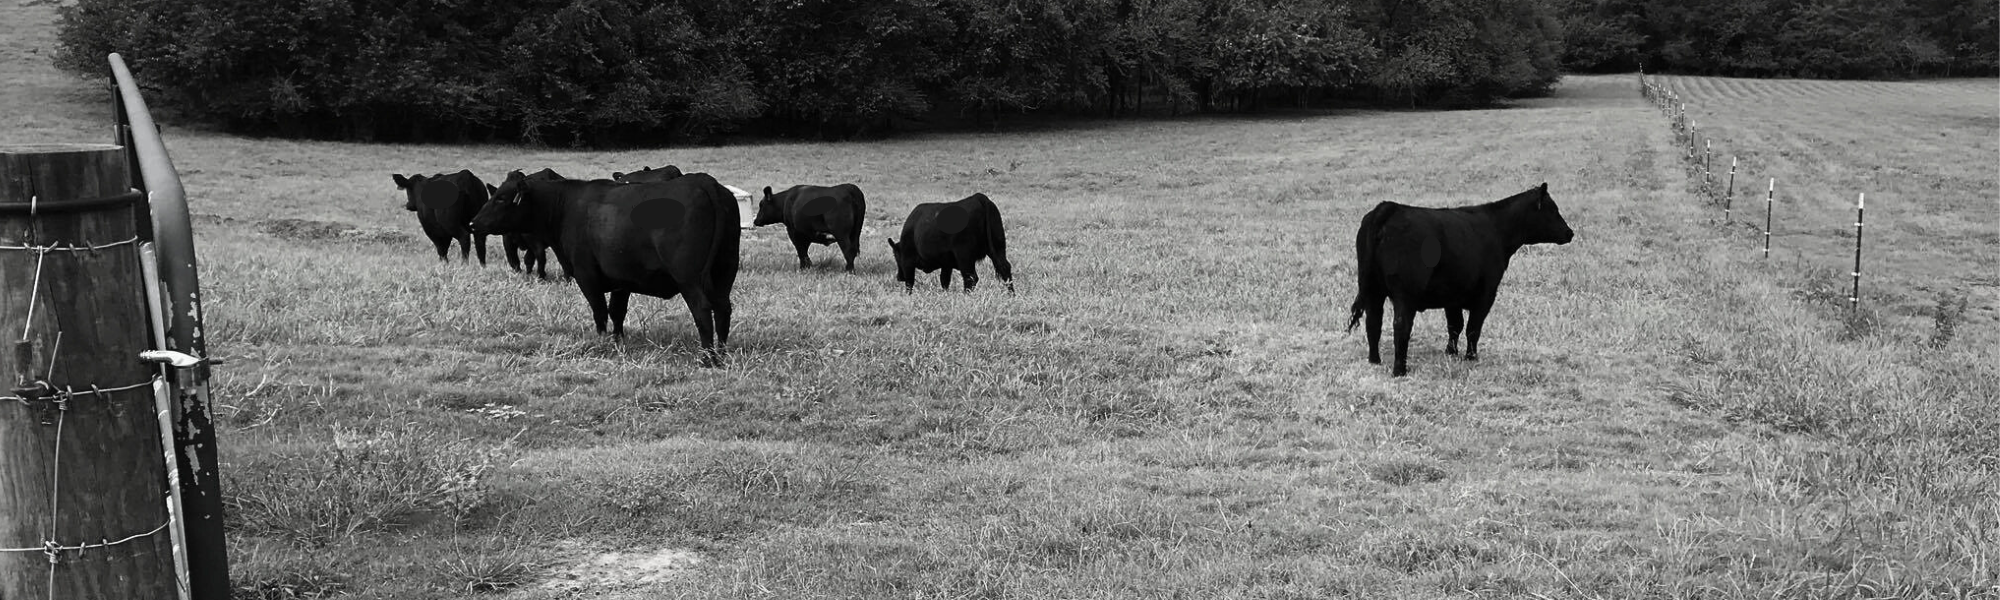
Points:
x=615, y=71
x=609, y=72
x=1850, y=39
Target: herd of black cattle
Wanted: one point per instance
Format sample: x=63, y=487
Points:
x=663, y=233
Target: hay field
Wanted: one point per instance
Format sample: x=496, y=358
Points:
x=1168, y=407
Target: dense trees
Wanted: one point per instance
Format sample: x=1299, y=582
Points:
x=1790, y=38
x=615, y=71
x=610, y=71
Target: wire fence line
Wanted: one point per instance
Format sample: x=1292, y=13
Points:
x=1698, y=154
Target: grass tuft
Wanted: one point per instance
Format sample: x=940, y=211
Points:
x=484, y=567
x=1946, y=318
x=321, y=492
x=1406, y=471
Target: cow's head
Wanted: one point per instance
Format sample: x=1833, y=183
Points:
x=768, y=211
x=906, y=264
x=1537, y=220
x=507, y=210
x=409, y=185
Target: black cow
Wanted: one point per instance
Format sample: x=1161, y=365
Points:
x=658, y=239
x=648, y=175
x=528, y=246
x=444, y=205
x=943, y=235
x=817, y=215
x=1449, y=258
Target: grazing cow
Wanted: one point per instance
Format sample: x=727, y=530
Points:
x=677, y=237
x=1449, y=258
x=444, y=205
x=817, y=215
x=943, y=235
x=527, y=244
x=648, y=175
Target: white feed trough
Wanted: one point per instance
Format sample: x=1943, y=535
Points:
x=746, y=205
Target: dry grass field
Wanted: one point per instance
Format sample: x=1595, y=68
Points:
x=1168, y=408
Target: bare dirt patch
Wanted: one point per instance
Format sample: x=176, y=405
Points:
x=622, y=570
x=309, y=230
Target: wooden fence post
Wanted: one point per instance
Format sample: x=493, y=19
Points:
x=83, y=478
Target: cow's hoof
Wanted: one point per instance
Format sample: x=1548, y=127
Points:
x=1469, y=357
x=1400, y=373
x=1450, y=350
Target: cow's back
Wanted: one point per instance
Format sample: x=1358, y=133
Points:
x=1432, y=257
x=807, y=207
x=654, y=238
x=459, y=211
x=938, y=231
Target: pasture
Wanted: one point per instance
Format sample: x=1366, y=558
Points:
x=1169, y=406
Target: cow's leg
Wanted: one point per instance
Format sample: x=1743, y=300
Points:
x=944, y=277
x=479, y=247
x=598, y=310
x=1454, y=321
x=1372, y=312
x=619, y=301
x=531, y=259
x=850, y=248
x=969, y=267
x=1472, y=330
x=704, y=323
x=439, y=239
x=723, y=310
x=511, y=244
x=562, y=260
x=802, y=240
x=1405, y=317
x=1004, y=269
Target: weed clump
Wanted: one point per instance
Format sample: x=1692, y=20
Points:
x=1406, y=471
x=1945, y=317
x=316, y=495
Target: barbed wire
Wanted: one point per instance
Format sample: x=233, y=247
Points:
x=51, y=547
x=31, y=389
x=69, y=247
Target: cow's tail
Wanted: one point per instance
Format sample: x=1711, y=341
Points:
x=996, y=231
x=860, y=213
x=727, y=245
x=1367, y=268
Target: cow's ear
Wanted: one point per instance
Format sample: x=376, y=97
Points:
x=490, y=190
x=401, y=181
x=767, y=193
x=892, y=242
